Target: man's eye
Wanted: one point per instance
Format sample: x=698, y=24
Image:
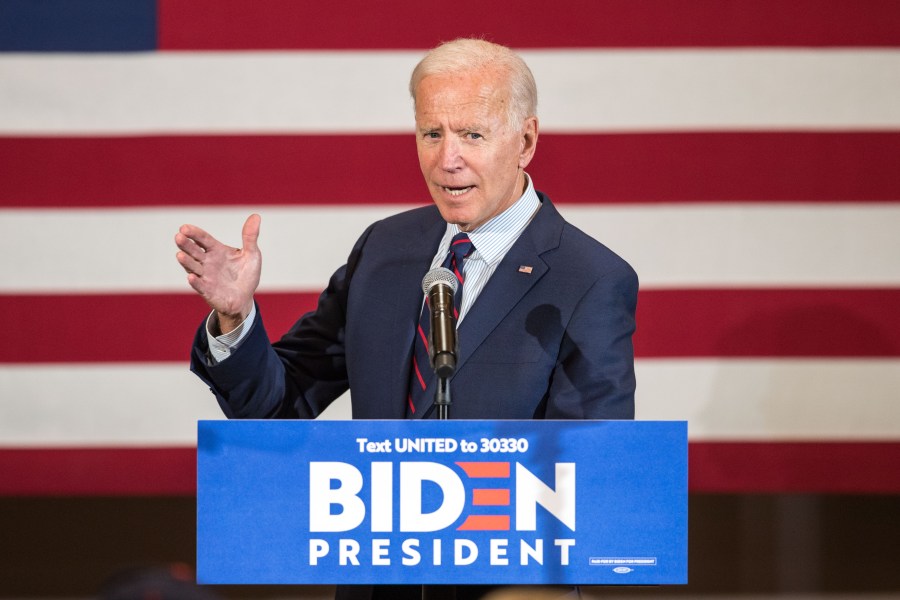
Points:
x=432, y=135
x=475, y=136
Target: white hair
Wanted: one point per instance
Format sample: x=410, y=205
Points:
x=471, y=54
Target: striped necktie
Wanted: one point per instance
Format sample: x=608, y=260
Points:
x=422, y=374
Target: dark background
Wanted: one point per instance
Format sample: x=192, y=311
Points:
x=816, y=545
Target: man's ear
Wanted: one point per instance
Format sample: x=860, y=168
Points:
x=528, y=141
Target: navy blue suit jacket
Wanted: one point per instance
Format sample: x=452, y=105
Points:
x=552, y=343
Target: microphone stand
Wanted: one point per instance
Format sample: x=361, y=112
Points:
x=442, y=404
x=442, y=398
x=444, y=364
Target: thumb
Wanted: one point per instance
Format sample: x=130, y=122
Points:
x=250, y=233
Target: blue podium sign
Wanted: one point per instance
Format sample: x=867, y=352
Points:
x=442, y=502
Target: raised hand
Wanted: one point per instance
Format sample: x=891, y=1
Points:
x=225, y=277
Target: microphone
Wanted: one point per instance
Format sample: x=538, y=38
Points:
x=439, y=285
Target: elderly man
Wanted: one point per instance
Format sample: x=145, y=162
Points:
x=546, y=315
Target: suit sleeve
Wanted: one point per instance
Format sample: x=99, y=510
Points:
x=594, y=375
x=296, y=377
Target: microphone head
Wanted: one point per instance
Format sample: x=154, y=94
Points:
x=439, y=275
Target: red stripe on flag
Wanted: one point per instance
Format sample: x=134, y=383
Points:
x=121, y=328
x=98, y=471
x=801, y=467
x=215, y=170
x=720, y=167
x=353, y=24
x=768, y=322
x=671, y=323
x=325, y=169
x=715, y=467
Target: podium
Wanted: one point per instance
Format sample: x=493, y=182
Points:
x=442, y=502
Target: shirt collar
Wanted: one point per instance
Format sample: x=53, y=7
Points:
x=494, y=237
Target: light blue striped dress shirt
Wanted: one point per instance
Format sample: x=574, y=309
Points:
x=492, y=240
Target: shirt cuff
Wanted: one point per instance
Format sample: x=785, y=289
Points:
x=222, y=346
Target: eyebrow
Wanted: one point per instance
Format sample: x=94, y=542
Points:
x=468, y=127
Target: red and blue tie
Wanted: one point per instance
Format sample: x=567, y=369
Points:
x=422, y=374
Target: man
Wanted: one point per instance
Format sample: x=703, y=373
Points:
x=547, y=313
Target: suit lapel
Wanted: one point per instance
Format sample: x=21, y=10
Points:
x=413, y=260
x=506, y=288
x=509, y=284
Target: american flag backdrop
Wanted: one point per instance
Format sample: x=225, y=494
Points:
x=742, y=155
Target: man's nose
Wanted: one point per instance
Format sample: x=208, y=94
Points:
x=451, y=154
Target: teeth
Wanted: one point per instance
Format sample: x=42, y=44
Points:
x=458, y=191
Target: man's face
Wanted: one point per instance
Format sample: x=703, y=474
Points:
x=471, y=157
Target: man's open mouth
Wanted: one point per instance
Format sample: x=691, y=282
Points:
x=457, y=191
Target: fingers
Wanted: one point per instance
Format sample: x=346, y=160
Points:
x=189, y=263
x=195, y=282
x=191, y=254
x=250, y=233
x=198, y=236
x=225, y=277
x=202, y=286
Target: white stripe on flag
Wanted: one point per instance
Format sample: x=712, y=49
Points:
x=581, y=90
x=773, y=399
x=670, y=246
x=766, y=400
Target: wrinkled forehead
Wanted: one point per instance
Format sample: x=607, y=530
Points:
x=494, y=78
x=470, y=94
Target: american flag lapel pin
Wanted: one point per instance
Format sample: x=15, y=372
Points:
x=525, y=269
